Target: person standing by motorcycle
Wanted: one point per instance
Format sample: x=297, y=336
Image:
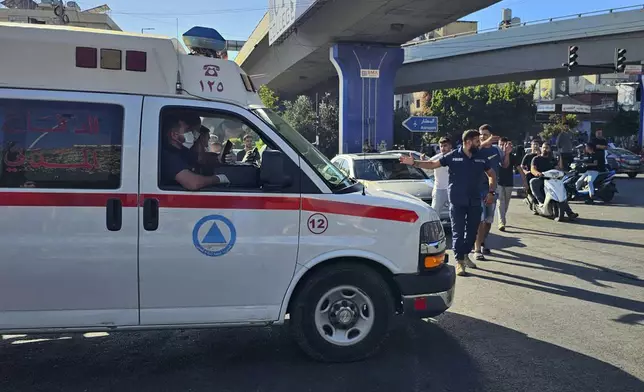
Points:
x=506, y=180
x=596, y=164
x=541, y=164
x=600, y=143
x=564, y=147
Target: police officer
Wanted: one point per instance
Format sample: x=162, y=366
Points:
x=466, y=167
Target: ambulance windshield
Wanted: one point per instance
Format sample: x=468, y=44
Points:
x=327, y=170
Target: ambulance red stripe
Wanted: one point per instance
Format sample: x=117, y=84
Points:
x=242, y=202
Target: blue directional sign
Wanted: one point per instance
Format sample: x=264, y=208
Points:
x=421, y=124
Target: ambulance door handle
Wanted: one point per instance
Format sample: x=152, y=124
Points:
x=151, y=214
x=114, y=214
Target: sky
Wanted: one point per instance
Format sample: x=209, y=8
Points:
x=235, y=20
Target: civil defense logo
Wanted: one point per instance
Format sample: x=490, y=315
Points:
x=214, y=235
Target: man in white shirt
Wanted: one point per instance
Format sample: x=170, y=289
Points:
x=441, y=178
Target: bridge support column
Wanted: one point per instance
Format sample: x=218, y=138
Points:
x=367, y=97
x=640, y=132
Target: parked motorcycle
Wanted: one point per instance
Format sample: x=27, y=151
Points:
x=604, y=184
x=555, y=204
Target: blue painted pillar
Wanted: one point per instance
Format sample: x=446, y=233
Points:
x=640, y=133
x=366, y=103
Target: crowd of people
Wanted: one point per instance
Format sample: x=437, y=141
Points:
x=476, y=180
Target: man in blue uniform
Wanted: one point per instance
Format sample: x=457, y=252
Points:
x=466, y=166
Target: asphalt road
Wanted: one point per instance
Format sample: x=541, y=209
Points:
x=559, y=307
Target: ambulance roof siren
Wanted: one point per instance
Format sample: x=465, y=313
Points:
x=207, y=42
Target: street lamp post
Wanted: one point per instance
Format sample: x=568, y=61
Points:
x=146, y=29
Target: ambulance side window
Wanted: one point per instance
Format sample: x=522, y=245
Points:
x=60, y=144
x=213, y=132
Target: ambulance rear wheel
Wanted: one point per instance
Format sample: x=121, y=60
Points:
x=342, y=313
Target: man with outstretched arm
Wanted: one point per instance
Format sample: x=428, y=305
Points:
x=466, y=166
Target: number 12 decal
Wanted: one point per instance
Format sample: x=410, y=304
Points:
x=317, y=223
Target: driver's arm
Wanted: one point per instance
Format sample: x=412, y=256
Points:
x=194, y=182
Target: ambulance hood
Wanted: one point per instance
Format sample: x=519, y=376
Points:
x=401, y=200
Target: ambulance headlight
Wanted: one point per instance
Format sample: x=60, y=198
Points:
x=432, y=246
x=431, y=235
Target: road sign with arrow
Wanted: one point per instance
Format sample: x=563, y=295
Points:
x=421, y=124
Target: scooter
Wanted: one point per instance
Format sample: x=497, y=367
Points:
x=604, y=184
x=556, y=203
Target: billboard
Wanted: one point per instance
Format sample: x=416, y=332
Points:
x=561, y=87
x=283, y=14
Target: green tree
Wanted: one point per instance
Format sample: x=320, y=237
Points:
x=508, y=107
x=268, y=97
x=559, y=124
x=624, y=124
x=300, y=114
x=328, y=128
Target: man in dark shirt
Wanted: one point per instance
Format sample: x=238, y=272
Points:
x=596, y=163
x=600, y=143
x=540, y=164
x=466, y=166
x=178, y=161
x=506, y=180
x=535, y=150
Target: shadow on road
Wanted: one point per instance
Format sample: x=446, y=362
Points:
x=612, y=224
x=582, y=270
x=459, y=353
x=597, y=238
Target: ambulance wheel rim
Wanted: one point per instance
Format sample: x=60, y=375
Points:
x=344, y=315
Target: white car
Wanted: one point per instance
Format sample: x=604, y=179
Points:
x=384, y=171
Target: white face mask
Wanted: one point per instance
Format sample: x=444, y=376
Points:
x=189, y=140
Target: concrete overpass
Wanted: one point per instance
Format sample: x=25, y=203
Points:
x=524, y=52
x=357, y=35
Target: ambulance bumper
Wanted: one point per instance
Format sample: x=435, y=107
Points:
x=427, y=295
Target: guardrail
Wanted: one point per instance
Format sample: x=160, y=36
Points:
x=533, y=22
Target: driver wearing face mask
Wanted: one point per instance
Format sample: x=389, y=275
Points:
x=179, y=161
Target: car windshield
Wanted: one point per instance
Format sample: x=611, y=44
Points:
x=327, y=170
x=372, y=169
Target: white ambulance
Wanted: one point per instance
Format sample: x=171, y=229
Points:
x=95, y=237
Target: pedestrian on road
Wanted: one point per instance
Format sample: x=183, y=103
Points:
x=441, y=178
x=511, y=162
x=494, y=155
x=466, y=166
x=564, y=147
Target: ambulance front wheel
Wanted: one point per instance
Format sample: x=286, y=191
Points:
x=342, y=313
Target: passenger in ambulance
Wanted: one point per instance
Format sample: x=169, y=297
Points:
x=179, y=160
x=247, y=154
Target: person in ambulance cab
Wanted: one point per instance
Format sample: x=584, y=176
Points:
x=179, y=162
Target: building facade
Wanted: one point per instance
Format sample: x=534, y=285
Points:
x=45, y=12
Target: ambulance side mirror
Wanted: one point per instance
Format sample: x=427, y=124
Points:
x=272, y=173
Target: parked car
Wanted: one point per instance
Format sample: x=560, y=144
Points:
x=624, y=161
x=384, y=171
x=417, y=156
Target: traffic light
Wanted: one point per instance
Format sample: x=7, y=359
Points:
x=572, y=57
x=620, y=60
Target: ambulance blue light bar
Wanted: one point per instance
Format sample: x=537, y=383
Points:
x=205, y=41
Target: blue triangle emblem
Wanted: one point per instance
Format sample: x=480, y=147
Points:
x=214, y=236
